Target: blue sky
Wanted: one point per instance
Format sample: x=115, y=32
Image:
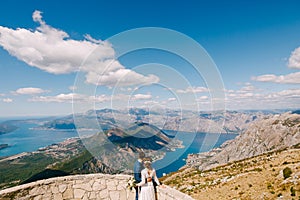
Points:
x=255, y=46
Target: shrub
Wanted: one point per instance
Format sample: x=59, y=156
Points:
x=279, y=195
x=257, y=169
x=293, y=192
x=287, y=172
x=269, y=186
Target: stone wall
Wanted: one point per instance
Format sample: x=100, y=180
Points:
x=89, y=187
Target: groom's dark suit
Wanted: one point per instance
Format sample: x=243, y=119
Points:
x=137, y=168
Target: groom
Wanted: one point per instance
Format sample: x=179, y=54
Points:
x=137, y=168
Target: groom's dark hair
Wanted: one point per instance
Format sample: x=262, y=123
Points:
x=141, y=155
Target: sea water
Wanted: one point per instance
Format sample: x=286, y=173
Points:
x=193, y=143
x=27, y=138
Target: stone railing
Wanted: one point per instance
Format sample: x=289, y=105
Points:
x=91, y=186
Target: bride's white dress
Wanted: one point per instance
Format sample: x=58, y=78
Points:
x=147, y=188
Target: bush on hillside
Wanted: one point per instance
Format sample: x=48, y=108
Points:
x=287, y=172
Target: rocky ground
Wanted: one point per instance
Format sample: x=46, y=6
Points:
x=274, y=175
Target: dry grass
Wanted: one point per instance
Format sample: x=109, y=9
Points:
x=260, y=177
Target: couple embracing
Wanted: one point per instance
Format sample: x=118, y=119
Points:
x=146, y=178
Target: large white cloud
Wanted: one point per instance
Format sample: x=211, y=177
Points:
x=293, y=78
x=53, y=51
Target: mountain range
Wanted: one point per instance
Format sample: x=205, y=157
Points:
x=123, y=134
x=269, y=134
x=187, y=121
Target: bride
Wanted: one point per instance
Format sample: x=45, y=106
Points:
x=147, y=186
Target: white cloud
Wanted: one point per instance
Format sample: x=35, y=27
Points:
x=72, y=87
x=60, y=98
x=75, y=97
x=7, y=100
x=172, y=99
x=100, y=98
x=293, y=78
x=260, y=99
x=201, y=98
x=37, y=17
x=151, y=102
x=246, y=95
x=53, y=51
x=294, y=59
x=121, y=77
x=30, y=90
x=126, y=89
x=248, y=88
x=142, y=97
x=191, y=89
x=291, y=93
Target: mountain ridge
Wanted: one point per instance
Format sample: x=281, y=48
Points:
x=271, y=133
x=186, y=121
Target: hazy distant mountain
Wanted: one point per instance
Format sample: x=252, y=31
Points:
x=271, y=133
x=188, y=121
x=60, y=123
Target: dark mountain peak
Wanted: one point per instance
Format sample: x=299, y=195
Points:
x=139, y=135
x=296, y=112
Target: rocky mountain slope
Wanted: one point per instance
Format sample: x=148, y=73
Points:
x=268, y=134
x=273, y=175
